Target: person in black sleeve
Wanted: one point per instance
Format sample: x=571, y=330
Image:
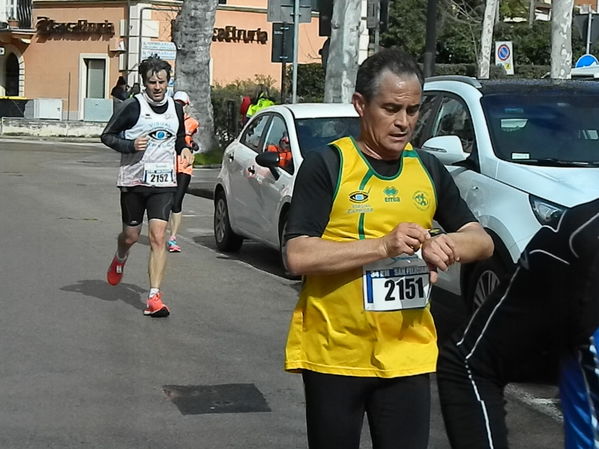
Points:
x=359, y=231
x=547, y=313
x=149, y=132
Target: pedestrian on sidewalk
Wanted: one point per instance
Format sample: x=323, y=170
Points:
x=149, y=132
x=545, y=316
x=359, y=231
x=184, y=171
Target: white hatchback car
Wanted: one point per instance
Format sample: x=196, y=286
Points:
x=254, y=187
x=521, y=153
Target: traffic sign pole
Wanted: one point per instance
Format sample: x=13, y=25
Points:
x=295, y=48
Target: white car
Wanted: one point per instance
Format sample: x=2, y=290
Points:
x=254, y=187
x=521, y=153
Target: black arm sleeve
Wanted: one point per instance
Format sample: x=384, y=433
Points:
x=313, y=194
x=452, y=211
x=125, y=118
x=180, y=142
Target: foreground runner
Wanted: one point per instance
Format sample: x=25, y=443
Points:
x=362, y=334
x=550, y=306
x=148, y=130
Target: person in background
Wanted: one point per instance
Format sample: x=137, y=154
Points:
x=260, y=101
x=283, y=149
x=246, y=101
x=135, y=89
x=184, y=171
x=544, y=317
x=360, y=232
x=149, y=132
x=119, y=92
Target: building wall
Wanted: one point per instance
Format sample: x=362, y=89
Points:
x=240, y=60
x=54, y=65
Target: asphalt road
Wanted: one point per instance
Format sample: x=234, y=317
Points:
x=83, y=368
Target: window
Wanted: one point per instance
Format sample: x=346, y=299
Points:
x=253, y=134
x=427, y=109
x=277, y=140
x=454, y=120
x=96, y=73
x=12, y=75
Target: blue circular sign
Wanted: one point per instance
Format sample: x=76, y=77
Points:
x=586, y=60
x=503, y=52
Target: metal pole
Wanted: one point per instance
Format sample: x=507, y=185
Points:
x=295, y=47
x=589, y=28
x=377, y=31
x=69, y=99
x=431, y=38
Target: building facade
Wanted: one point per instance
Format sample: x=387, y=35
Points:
x=74, y=50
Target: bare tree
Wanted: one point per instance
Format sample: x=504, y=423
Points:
x=486, y=38
x=342, y=64
x=192, y=35
x=561, y=38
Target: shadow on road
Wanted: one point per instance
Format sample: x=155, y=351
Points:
x=128, y=293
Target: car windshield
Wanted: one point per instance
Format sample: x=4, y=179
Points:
x=314, y=134
x=557, y=129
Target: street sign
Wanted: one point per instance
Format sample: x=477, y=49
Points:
x=586, y=60
x=165, y=50
x=282, y=11
x=282, y=42
x=504, y=56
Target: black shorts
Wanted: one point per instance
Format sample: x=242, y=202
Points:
x=135, y=202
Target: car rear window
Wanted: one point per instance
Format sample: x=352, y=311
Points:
x=314, y=134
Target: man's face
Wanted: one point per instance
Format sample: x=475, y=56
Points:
x=156, y=85
x=388, y=119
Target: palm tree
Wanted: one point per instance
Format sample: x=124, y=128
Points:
x=192, y=34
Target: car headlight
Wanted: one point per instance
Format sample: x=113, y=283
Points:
x=546, y=212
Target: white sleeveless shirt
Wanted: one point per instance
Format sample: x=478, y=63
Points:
x=154, y=167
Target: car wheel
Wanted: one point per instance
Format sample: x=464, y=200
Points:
x=226, y=239
x=282, y=230
x=485, y=278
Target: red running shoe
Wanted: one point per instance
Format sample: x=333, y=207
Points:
x=115, y=271
x=155, y=307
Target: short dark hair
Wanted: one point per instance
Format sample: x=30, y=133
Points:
x=153, y=65
x=395, y=60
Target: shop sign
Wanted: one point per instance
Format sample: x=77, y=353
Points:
x=164, y=50
x=47, y=26
x=233, y=34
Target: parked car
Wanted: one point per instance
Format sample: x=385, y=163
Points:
x=521, y=153
x=255, y=184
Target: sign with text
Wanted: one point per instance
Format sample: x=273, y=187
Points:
x=164, y=50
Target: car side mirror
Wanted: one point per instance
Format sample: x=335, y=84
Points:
x=270, y=160
x=448, y=149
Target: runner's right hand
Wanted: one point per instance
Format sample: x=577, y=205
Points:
x=405, y=238
x=141, y=143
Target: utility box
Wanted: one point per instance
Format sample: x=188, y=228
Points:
x=97, y=109
x=44, y=108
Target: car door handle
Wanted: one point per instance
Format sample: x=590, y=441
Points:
x=252, y=170
x=231, y=157
x=475, y=187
